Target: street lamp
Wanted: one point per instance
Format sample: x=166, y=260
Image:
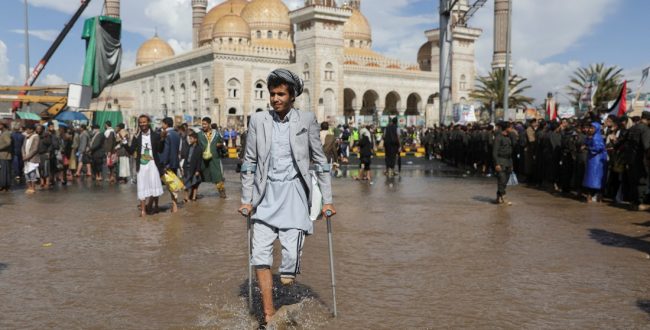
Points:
x=26, y=104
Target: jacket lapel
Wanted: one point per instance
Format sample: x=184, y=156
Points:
x=294, y=126
x=268, y=135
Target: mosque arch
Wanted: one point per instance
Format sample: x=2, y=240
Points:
x=260, y=88
x=329, y=71
x=329, y=103
x=183, y=98
x=349, y=102
x=369, y=105
x=233, y=86
x=306, y=100
x=163, y=100
x=413, y=104
x=172, y=98
x=206, y=95
x=195, y=96
x=305, y=72
x=393, y=103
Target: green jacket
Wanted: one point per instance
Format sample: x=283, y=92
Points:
x=211, y=168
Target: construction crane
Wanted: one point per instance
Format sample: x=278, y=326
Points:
x=48, y=55
x=446, y=39
x=462, y=21
x=55, y=98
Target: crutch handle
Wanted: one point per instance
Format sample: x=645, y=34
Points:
x=328, y=213
x=244, y=212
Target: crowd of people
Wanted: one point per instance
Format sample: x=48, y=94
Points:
x=42, y=156
x=592, y=158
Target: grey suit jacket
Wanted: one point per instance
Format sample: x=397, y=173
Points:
x=306, y=149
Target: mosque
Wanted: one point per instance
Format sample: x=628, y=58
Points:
x=238, y=42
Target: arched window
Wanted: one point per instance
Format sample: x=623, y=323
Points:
x=329, y=71
x=183, y=98
x=232, y=111
x=206, y=95
x=195, y=97
x=259, y=90
x=233, y=88
x=305, y=72
x=463, y=82
x=258, y=34
x=163, y=101
x=269, y=34
x=172, y=98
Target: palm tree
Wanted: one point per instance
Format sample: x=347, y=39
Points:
x=609, y=84
x=491, y=88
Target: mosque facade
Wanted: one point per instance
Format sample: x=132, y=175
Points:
x=238, y=42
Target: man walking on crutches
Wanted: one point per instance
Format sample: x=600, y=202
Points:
x=281, y=146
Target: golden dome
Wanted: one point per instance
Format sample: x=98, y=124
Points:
x=216, y=13
x=357, y=27
x=153, y=50
x=425, y=52
x=231, y=26
x=263, y=15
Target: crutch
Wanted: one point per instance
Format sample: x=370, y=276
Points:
x=250, y=265
x=328, y=215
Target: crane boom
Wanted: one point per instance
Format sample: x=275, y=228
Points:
x=470, y=12
x=48, y=55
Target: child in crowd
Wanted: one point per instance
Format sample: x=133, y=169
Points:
x=192, y=167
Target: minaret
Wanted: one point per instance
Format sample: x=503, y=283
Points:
x=198, y=13
x=501, y=8
x=356, y=4
x=112, y=8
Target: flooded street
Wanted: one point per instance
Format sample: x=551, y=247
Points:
x=425, y=250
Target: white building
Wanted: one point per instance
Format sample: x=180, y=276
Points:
x=238, y=42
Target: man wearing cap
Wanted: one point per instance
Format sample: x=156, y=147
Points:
x=281, y=145
x=502, y=155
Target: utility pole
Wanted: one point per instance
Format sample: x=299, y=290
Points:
x=26, y=105
x=506, y=88
x=445, y=57
x=446, y=39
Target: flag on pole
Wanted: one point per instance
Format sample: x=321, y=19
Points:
x=103, y=52
x=619, y=107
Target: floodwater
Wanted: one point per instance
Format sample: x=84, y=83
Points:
x=422, y=251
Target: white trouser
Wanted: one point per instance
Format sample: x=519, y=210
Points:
x=292, y=241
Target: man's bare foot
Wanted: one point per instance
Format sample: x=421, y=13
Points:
x=282, y=316
x=174, y=208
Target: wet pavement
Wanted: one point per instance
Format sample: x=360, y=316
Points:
x=428, y=249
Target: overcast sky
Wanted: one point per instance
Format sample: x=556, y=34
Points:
x=551, y=38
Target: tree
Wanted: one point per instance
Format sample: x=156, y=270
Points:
x=491, y=88
x=609, y=81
